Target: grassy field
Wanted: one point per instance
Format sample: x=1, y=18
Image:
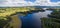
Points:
x=9, y=11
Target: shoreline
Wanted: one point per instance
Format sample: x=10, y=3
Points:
x=16, y=22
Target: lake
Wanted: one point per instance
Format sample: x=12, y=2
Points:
x=33, y=20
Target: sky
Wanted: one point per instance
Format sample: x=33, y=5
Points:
x=54, y=0
x=18, y=3
x=30, y=0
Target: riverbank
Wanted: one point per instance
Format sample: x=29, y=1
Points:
x=16, y=22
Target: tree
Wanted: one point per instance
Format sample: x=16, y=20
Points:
x=3, y=22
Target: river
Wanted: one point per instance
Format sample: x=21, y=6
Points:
x=33, y=20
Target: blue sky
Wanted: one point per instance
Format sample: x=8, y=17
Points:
x=30, y=0
x=35, y=0
x=29, y=3
x=54, y=0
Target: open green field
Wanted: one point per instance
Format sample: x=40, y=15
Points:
x=9, y=11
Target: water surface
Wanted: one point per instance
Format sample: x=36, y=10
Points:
x=33, y=20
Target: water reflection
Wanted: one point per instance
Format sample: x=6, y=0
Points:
x=33, y=20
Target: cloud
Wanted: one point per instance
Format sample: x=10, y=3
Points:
x=47, y=3
x=15, y=3
x=9, y=3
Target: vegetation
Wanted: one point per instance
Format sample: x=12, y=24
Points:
x=9, y=11
x=53, y=21
x=4, y=21
x=55, y=14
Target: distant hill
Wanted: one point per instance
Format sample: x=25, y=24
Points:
x=47, y=6
x=37, y=7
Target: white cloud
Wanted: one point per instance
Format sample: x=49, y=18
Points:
x=16, y=3
x=24, y=3
x=47, y=3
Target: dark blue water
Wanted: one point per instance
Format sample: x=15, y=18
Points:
x=33, y=20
